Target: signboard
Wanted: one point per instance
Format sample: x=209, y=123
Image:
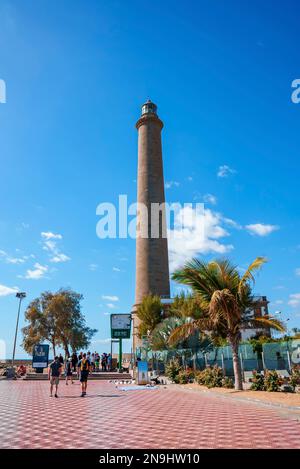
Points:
x=120, y=326
x=295, y=355
x=40, y=356
x=142, y=375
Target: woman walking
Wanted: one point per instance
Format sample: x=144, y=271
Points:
x=68, y=371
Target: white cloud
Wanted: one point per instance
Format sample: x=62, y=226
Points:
x=93, y=267
x=50, y=245
x=50, y=235
x=190, y=178
x=232, y=223
x=60, y=257
x=294, y=300
x=38, y=272
x=297, y=272
x=210, y=199
x=13, y=260
x=261, y=229
x=110, y=298
x=170, y=184
x=116, y=269
x=224, y=171
x=110, y=305
x=5, y=291
x=199, y=235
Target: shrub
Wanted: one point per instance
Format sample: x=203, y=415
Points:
x=227, y=383
x=173, y=369
x=185, y=377
x=272, y=381
x=295, y=377
x=258, y=382
x=212, y=377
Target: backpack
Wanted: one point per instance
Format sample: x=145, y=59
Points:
x=84, y=366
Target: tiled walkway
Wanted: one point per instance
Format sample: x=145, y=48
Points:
x=110, y=418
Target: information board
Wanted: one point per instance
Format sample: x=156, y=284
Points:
x=40, y=356
x=120, y=326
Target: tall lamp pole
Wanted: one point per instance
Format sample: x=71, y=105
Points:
x=21, y=296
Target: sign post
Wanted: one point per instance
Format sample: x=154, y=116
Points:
x=40, y=357
x=120, y=325
x=120, y=356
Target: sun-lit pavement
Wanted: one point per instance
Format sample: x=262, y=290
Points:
x=110, y=418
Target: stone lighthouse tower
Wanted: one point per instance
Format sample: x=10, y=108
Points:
x=152, y=264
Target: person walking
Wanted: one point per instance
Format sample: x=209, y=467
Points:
x=97, y=361
x=84, y=367
x=74, y=361
x=68, y=371
x=103, y=362
x=92, y=359
x=109, y=362
x=54, y=374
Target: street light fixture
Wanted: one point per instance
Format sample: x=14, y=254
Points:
x=21, y=295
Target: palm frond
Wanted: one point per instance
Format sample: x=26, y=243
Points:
x=223, y=308
x=253, y=267
x=182, y=332
x=267, y=322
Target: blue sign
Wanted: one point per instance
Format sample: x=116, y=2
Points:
x=40, y=356
x=142, y=372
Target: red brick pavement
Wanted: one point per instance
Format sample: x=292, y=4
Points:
x=110, y=418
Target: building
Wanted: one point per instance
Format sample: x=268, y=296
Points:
x=152, y=263
x=260, y=309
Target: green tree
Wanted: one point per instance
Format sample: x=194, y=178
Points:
x=226, y=301
x=57, y=318
x=149, y=312
x=42, y=325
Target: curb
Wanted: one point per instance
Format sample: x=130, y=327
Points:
x=242, y=399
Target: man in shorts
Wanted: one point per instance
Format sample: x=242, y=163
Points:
x=54, y=374
x=84, y=367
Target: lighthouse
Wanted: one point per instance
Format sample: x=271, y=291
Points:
x=152, y=264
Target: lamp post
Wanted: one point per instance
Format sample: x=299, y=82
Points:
x=21, y=296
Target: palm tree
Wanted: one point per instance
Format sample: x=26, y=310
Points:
x=226, y=301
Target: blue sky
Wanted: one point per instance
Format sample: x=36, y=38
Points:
x=76, y=73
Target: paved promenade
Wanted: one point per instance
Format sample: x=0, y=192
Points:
x=162, y=418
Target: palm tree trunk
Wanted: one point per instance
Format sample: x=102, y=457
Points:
x=67, y=353
x=238, y=381
x=53, y=346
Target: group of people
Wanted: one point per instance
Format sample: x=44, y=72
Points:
x=83, y=364
x=97, y=361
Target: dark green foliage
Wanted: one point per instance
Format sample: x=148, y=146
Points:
x=258, y=382
x=227, y=383
x=185, y=377
x=212, y=377
x=173, y=369
x=272, y=381
x=295, y=377
x=58, y=319
x=149, y=313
